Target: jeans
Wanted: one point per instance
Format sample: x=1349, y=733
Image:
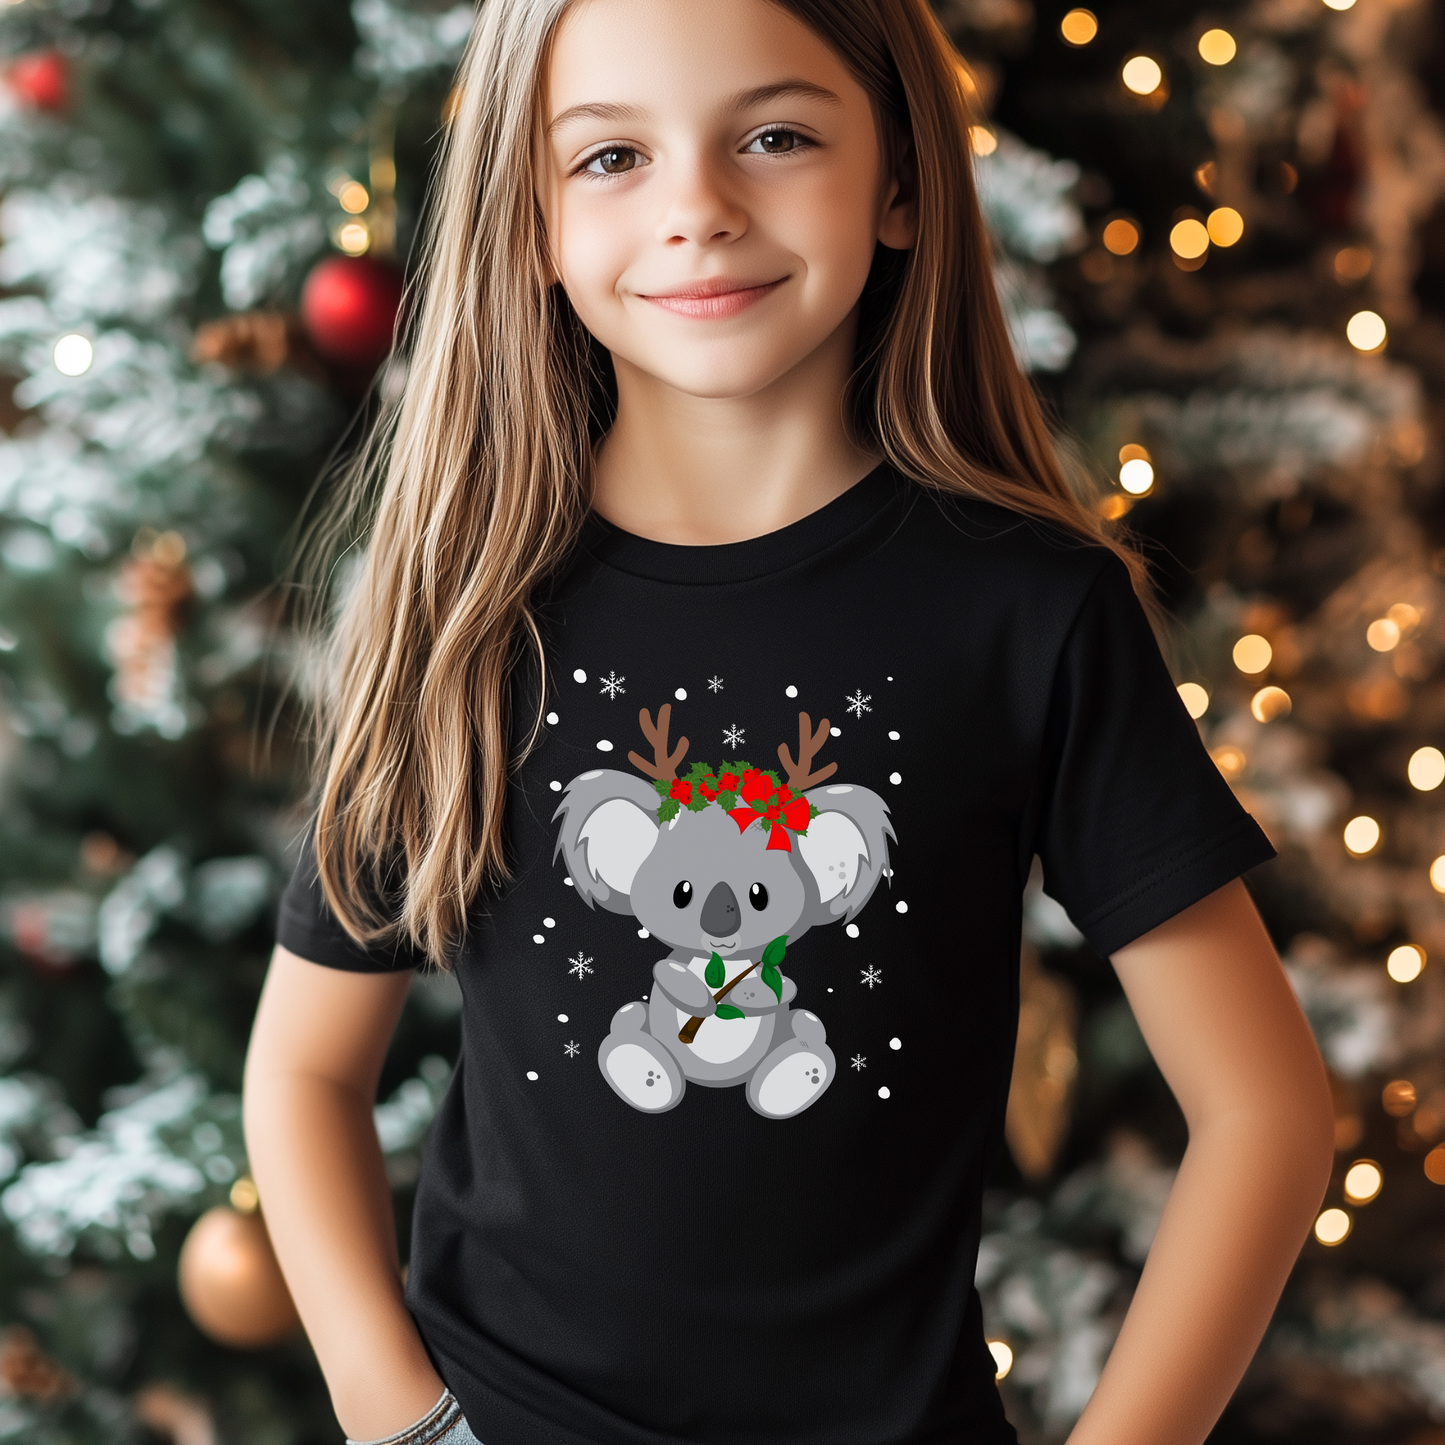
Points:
x=443, y=1424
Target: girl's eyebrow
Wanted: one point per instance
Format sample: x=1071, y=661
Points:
x=796, y=88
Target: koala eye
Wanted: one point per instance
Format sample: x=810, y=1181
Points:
x=758, y=896
x=682, y=894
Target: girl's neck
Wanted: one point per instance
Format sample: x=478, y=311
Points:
x=700, y=471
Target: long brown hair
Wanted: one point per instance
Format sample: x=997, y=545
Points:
x=474, y=484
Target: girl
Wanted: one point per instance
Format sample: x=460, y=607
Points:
x=726, y=645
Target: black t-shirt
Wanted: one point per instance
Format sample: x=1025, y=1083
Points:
x=766, y=1234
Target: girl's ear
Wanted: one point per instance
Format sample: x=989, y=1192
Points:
x=898, y=222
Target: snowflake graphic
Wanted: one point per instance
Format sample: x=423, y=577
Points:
x=871, y=976
x=858, y=704
x=715, y=683
x=859, y=1062
x=612, y=684
x=581, y=965
x=572, y=1048
x=733, y=736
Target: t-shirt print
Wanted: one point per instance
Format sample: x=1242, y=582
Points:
x=724, y=865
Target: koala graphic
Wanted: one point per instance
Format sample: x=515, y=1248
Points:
x=731, y=867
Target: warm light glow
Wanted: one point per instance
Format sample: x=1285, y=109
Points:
x=354, y=197
x=1397, y=1098
x=982, y=139
x=1229, y=760
x=1225, y=226
x=1403, y=615
x=1340, y=4
x=1194, y=698
x=1003, y=1357
x=1332, y=1226
x=1136, y=476
x=1217, y=47
x=1131, y=451
x=245, y=1197
x=1269, y=703
x=353, y=238
x=1366, y=331
x=1435, y=1165
x=1426, y=769
x=73, y=354
x=1079, y=27
x=1252, y=653
x=1437, y=874
x=1383, y=634
x=1120, y=237
x=1352, y=263
x=1404, y=963
x=1189, y=239
x=1362, y=1181
x=1361, y=834
x=1142, y=74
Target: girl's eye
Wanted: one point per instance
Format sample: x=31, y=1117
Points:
x=614, y=161
x=776, y=142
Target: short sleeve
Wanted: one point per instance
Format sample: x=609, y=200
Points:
x=307, y=927
x=1136, y=822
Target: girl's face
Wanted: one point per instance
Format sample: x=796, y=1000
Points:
x=713, y=188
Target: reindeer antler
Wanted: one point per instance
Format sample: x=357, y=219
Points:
x=809, y=742
x=664, y=763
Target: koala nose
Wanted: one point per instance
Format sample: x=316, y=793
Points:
x=720, y=913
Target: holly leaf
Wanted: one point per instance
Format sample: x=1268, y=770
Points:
x=729, y=801
x=773, y=979
x=714, y=975
x=668, y=810
x=697, y=802
x=773, y=953
x=730, y=1011
x=663, y=786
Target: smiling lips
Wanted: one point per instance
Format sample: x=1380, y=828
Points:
x=713, y=300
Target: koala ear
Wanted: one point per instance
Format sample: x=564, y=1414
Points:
x=846, y=847
x=609, y=825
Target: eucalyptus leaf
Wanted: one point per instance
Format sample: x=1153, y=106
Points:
x=730, y=1011
x=714, y=975
x=773, y=953
x=773, y=979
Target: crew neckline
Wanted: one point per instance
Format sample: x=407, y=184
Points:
x=744, y=561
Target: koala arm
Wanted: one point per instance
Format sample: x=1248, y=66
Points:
x=683, y=987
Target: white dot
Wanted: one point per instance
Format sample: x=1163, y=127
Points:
x=561, y=1018
x=791, y=691
x=643, y=933
x=552, y=718
x=549, y=923
x=73, y=354
x=883, y=1092
x=851, y=930
x=895, y=777
x=890, y=679
x=901, y=906
x=893, y=736
x=579, y=676
x=604, y=746
x=567, y=881
x=895, y=1043
x=555, y=786
x=532, y=1074
x=887, y=872
x=836, y=732
x=830, y=990
x=681, y=694
x=538, y=938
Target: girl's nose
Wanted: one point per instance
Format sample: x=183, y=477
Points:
x=699, y=210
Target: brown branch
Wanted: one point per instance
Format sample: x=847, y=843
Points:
x=799, y=776
x=664, y=763
x=688, y=1032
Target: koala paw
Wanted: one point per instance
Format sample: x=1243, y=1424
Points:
x=791, y=1077
x=639, y=1069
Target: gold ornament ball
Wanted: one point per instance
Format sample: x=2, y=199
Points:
x=230, y=1281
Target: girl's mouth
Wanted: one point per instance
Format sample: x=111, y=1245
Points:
x=714, y=300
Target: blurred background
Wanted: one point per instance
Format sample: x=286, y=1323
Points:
x=1220, y=236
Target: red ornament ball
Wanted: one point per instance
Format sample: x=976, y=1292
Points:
x=41, y=80
x=349, y=306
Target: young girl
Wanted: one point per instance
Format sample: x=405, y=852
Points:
x=726, y=645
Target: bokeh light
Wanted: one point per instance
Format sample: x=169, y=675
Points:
x=1405, y=963
x=1252, y=653
x=1136, y=476
x=353, y=238
x=982, y=139
x=1361, y=835
x=73, y=354
x=354, y=197
x=1003, y=1358
x=1189, y=238
x=1437, y=874
x=1142, y=74
x=1333, y=1226
x=1194, y=698
x=1225, y=226
x=1079, y=27
x=1362, y=1181
x=1269, y=703
x=1426, y=769
x=1366, y=331
x=1435, y=1165
x=1120, y=236
x=1398, y=1098
x=1217, y=47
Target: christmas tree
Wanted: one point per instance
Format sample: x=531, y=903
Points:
x=1219, y=238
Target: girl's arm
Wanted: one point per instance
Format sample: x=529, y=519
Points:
x=316, y=1052
x=1221, y=1020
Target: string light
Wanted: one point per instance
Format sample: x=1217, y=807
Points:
x=1079, y=27
x=354, y=197
x=1269, y=703
x=1217, y=47
x=1142, y=74
x=1225, y=226
x=1003, y=1358
x=353, y=238
x=1252, y=653
x=1120, y=236
x=1398, y=1098
x=1366, y=331
x=1426, y=769
x=1340, y=4
x=1435, y=1165
x=1405, y=963
x=1437, y=874
x=1362, y=1181
x=1189, y=238
x=1229, y=759
x=1361, y=835
x=982, y=139
x=1352, y=263
x=1136, y=476
x=1403, y=615
x=1383, y=634
x=73, y=354
x=1333, y=1226
x=1194, y=698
